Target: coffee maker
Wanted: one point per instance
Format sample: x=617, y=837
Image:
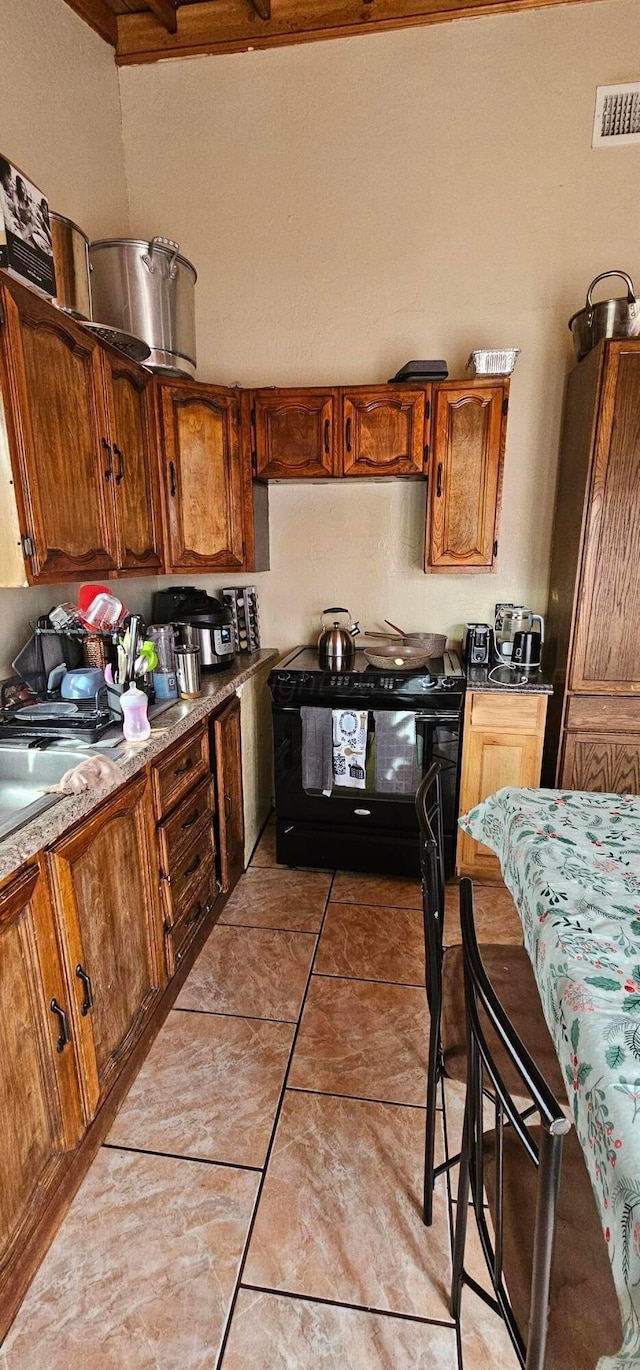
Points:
x=517, y=641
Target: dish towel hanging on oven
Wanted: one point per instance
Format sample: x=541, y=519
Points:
x=350, y=729
x=317, y=749
x=396, y=752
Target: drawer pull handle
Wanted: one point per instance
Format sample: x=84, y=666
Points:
x=327, y=430
x=439, y=481
x=188, y=766
x=120, y=456
x=198, y=911
x=348, y=435
x=173, y=484
x=64, y=1037
x=189, y=822
x=197, y=861
x=87, y=1002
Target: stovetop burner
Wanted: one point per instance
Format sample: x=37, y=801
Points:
x=300, y=676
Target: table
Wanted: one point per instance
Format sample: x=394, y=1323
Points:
x=572, y=863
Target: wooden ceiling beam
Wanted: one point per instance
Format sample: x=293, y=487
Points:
x=165, y=11
x=219, y=26
x=99, y=16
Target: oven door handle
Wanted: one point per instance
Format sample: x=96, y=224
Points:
x=438, y=718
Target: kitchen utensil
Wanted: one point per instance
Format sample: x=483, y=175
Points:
x=87, y=594
x=122, y=665
x=133, y=631
x=55, y=677
x=103, y=613
x=431, y=643
x=149, y=288
x=477, y=647
x=83, y=683
x=336, y=647
x=527, y=650
x=188, y=672
x=399, y=658
x=619, y=318
x=512, y=619
x=39, y=713
x=71, y=262
x=395, y=627
x=493, y=361
x=146, y=660
x=134, y=348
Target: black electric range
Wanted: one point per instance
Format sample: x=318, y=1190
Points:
x=364, y=828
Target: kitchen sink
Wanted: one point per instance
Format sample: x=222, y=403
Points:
x=24, y=775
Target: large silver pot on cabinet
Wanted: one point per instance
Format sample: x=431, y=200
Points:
x=148, y=289
x=618, y=318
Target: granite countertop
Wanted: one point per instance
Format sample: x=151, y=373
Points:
x=167, y=728
x=479, y=678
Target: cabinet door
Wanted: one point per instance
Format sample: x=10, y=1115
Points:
x=228, y=756
x=204, y=478
x=466, y=477
x=132, y=431
x=383, y=432
x=606, y=657
x=502, y=745
x=110, y=926
x=294, y=433
x=62, y=462
x=605, y=763
x=39, y=1107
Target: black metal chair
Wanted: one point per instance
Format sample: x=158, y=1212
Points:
x=562, y=1313
x=510, y=970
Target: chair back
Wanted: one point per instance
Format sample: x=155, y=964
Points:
x=431, y=840
x=492, y=1042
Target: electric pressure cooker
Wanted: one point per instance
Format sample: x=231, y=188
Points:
x=202, y=621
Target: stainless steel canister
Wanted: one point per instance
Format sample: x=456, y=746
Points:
x=188, y=671
x=71, y=262
x=148, y=289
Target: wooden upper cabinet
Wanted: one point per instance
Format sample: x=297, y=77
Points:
x=110, y=927
x=134, y=448
x=294, y=433
x=204, y=477
x=606, y=657
x=228, y=760
x=51, y=380
x=466, y=476
x=39, y=1108
x=383, y=431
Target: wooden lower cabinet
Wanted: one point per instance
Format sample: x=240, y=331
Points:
x=110, y=927
x=604, y=762
x=40, y=1121
x=228, y=763
x=502, y=745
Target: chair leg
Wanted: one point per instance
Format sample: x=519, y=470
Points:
x=462, y=1216
x=433, y=1080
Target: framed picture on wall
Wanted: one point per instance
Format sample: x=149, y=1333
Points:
x=25, y=233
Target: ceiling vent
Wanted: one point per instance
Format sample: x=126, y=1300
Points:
x=617, y=117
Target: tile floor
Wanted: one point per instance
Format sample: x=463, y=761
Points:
x=256, y=1205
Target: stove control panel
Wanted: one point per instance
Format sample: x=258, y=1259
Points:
x=354, y=682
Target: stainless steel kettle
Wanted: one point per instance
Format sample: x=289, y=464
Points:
x=336, y=647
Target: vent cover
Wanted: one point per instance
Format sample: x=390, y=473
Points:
x=617, y=117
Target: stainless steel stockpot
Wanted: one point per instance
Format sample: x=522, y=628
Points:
x=71, y=262
x=148, y=289
x=619, y=318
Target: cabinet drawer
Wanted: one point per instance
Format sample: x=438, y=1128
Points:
x=514, y=713
x=178, y=831
x=200, y=903
x=178, y=772
x=186, y=873
x=601, y=713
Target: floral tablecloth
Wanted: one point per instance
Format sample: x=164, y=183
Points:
x=572, y=863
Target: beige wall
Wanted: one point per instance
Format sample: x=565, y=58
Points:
x=60, y=121
x=352, y=204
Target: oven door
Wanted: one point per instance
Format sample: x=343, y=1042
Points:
x=438, y=739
